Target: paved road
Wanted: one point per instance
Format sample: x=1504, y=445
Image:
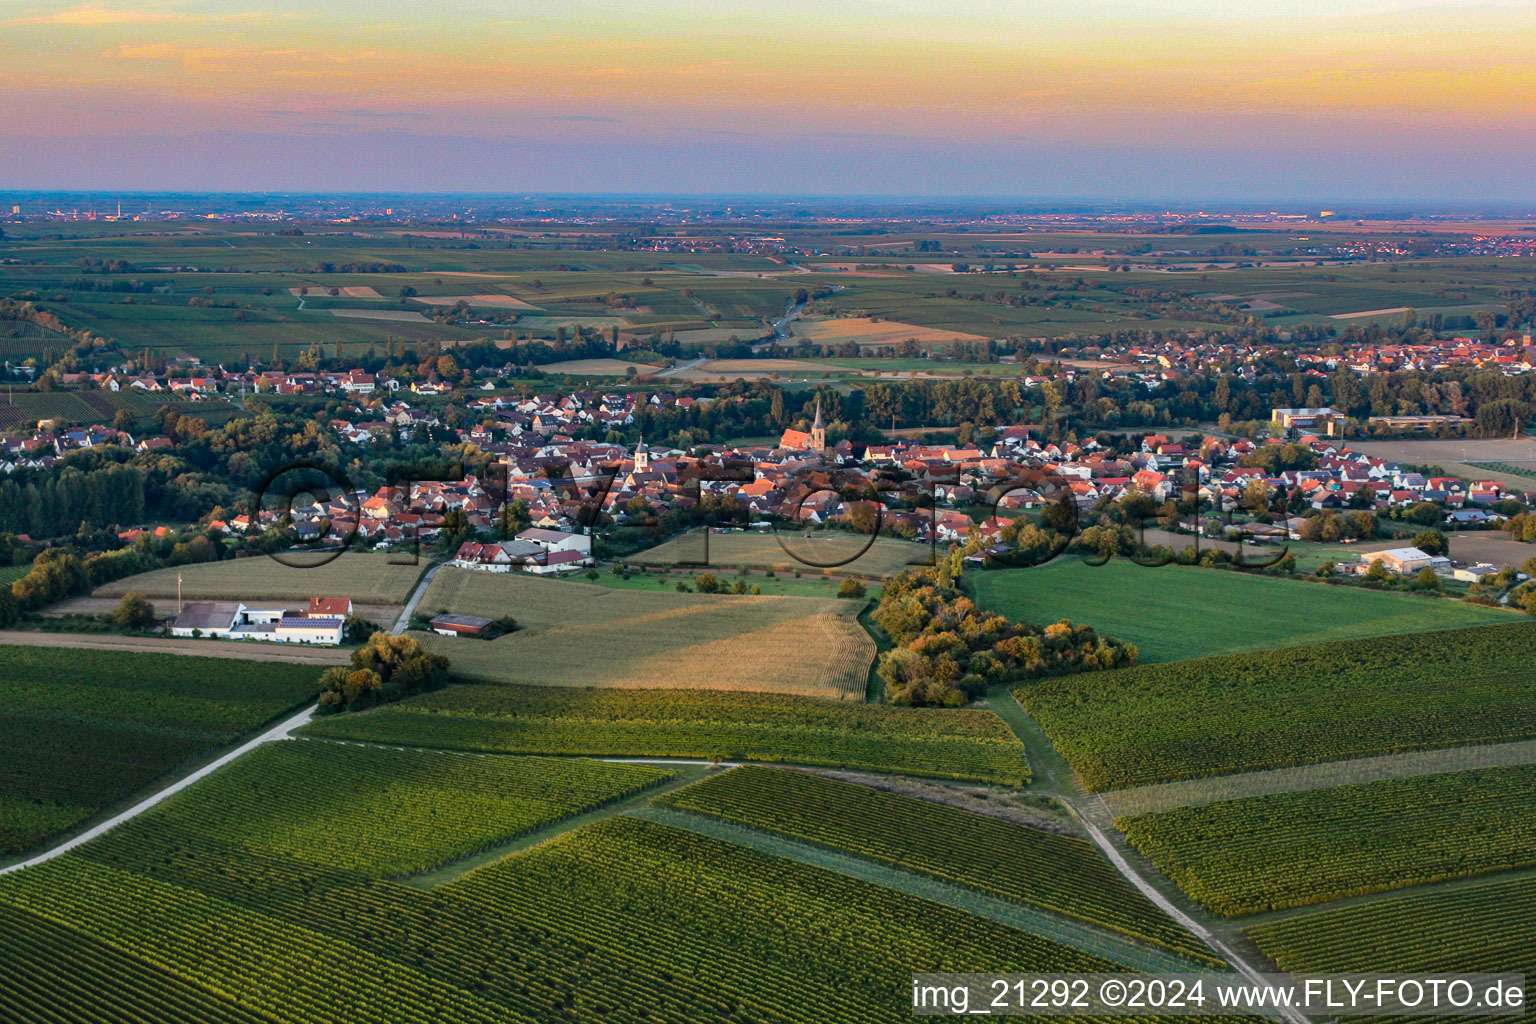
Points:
x=779, y=333
x=280, y=731
x=681, y=367
x=404, y=621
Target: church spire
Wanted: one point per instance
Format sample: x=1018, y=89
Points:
x=818, y=429
x=642, y=457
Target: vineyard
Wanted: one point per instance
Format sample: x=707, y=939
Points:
x=1060, y=874
x=1293, y=849
x=376, y=813
x=1296, y=705
x=258, y=895
x=623, y=921
x=972, y=745
x=1485, y=928
x=79, y=735
x=27, y=408
x=102, y=985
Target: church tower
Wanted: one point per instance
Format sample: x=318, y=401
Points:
x=642, y=457
x=818, y=430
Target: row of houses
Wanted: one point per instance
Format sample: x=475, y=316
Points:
x=537, y=551
x=562, y=482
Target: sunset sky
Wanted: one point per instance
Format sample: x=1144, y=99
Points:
x=1344, y=99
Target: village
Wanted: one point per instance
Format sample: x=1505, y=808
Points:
x=561, y=484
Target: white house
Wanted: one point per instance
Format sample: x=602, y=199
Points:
x=207, y=618
x=561, y=551
x=237, y=621
x=306, y=630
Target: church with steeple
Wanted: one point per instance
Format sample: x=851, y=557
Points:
x=815, y=440
x=642, y=457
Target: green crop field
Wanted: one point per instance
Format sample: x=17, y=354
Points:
x=1293, y=849
x=1060, y=874
x=960, y=744
x=83, y=729
x=1469, y=929
x=1295, y=705
x=365, y=578
x=1177, y=611
x=589, y=635
x=885, y=557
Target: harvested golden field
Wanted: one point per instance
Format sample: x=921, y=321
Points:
x=598, y=367
x=886, y=557
x=365, y=578
x=349, y=291
x=576, y=634
x=874, y=332
x=485, y=299
x=760, y=366
x=403, y=315
x=758, y=369
x=1435, y=452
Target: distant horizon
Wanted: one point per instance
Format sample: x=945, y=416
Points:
x=999, y=203
x=1162, y=100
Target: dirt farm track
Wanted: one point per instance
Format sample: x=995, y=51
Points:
x=199, y=648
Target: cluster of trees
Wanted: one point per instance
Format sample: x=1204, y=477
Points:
x=1521, y=527
x=948, y=651
x=50, y=504
x=1329, y=527
x=709, y=583
x=56, y=574
x=61, y=573
x=134, y=611
x=386, y=668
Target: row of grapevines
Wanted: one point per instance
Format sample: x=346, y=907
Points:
x=50, y=973
x=966, y=744
x=1296, y=705
x=116, y=679
x=625, y=921
x=1484, y=929
x=773, y=938
x=1293, y=849
x=276, y=968
x=83, y=729
x=367, y=811
x=1057, y=873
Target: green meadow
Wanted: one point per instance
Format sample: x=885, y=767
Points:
x=1178, y=612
